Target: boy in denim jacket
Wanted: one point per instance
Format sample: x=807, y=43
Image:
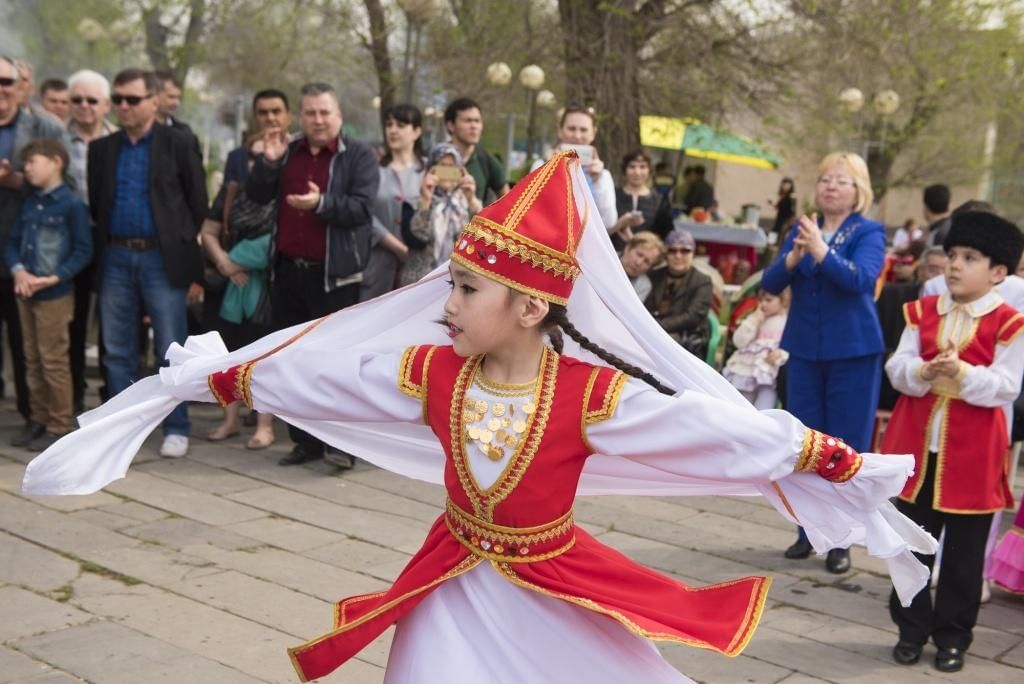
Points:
x=47, y=246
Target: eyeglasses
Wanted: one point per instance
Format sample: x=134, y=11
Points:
x=840, y=181
x=680, y=250
x=7, y=82
x=130, y=100
x=78, y=99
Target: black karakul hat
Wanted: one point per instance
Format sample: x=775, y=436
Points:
x=993, y=236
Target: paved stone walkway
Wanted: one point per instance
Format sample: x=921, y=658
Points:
x=205, y=569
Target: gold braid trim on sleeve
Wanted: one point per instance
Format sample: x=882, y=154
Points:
x=810, y=455
x=611, y=399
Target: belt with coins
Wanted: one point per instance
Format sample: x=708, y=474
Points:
x=511, y=544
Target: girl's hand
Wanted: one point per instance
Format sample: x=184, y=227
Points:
x=468, y=185
x=239, y=278
x=810, y=238
x=595, y=167
x=427, y=187
x=773, y=356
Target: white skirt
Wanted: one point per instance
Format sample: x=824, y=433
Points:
x=479, y=627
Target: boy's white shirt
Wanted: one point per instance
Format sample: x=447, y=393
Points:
x=990, y=386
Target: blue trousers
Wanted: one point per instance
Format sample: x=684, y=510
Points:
x=836, y=397
x=128, y=277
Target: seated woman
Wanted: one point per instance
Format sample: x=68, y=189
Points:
x=642, y=252
x=680, y=295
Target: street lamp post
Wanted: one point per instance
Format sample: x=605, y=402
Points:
x=531, y=77
x=885, y=103
x=417, y=14
x=121, y=32
x=499, y=74
x=91, y=32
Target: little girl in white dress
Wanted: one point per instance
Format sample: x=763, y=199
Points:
x=754, y=366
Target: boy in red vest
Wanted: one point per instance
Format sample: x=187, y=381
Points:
x=959, y=360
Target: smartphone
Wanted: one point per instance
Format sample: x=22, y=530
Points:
x=585, y=152
x=448, y=173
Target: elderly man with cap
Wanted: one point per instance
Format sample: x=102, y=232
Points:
x=681, y=295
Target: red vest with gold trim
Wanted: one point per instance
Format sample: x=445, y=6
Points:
x=972, y=463
x=523, y=524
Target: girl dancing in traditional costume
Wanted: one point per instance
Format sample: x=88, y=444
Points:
x=515, y=429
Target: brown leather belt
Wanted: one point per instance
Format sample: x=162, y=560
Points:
x=134, y=244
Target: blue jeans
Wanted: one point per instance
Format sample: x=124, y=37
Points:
x=126, y=277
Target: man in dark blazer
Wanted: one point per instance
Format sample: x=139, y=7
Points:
x=147, y=195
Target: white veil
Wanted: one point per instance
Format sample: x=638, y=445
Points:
x=603, y=306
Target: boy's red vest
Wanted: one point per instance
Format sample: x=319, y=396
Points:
x=523, y=524
x=971, y=462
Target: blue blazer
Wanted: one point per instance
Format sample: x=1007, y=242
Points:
x=833, y=314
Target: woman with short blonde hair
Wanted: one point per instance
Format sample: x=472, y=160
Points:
x=831, y=260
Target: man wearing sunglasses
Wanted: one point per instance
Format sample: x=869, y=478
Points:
x=147, y=196
x=18, y=127
x=90, y=103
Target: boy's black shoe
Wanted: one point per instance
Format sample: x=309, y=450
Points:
x=906, y=652
x=43, y=441
x=838, y=561
x=339, y=458
x=28, y=433
x=801, y=549
x=299, y=455
x=949, y=660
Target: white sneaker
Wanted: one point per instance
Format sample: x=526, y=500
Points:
x=174, y=446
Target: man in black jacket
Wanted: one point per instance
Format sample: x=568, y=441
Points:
x=147, y=196
x=326, y=185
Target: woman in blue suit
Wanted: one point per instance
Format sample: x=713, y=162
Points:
x=833, y=336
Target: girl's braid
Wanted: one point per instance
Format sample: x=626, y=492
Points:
x=557, y=321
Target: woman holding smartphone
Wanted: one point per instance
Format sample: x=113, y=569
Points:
x=577, y=131
x=638, y=207
x=446, y=203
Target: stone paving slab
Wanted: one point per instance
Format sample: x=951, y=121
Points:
x=32, y=566
x=107, y=653
x=182, y=500
x=305, y=575
x=16, y=667
x=23, y=614
x=262, y=602
x=287, y=534
x=198, y=629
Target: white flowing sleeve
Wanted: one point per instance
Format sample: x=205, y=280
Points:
x=694, y=437
x=309, y=385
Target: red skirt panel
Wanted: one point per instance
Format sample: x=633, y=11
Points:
x=721, y=617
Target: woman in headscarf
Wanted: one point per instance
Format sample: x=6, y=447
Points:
x=447, y=201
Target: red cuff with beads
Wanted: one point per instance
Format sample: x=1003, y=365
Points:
x=232, y=385
x=828, y=456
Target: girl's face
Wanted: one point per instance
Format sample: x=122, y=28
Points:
x=577, y=129
x=638, y=260
x=785, y=187
x=769, y=304
x=448, y=161
x=835, y=192
x=401, y=135
x=637, y=172
x=479, y=312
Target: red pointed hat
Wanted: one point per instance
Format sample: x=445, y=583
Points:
x=528, y=238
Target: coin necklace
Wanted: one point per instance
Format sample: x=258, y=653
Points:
x=495, y=426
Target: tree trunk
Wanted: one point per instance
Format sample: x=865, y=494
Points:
x=602, y=42
x=378, y=47
x=157, y=34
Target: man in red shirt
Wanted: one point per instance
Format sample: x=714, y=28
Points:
x=325, y=185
